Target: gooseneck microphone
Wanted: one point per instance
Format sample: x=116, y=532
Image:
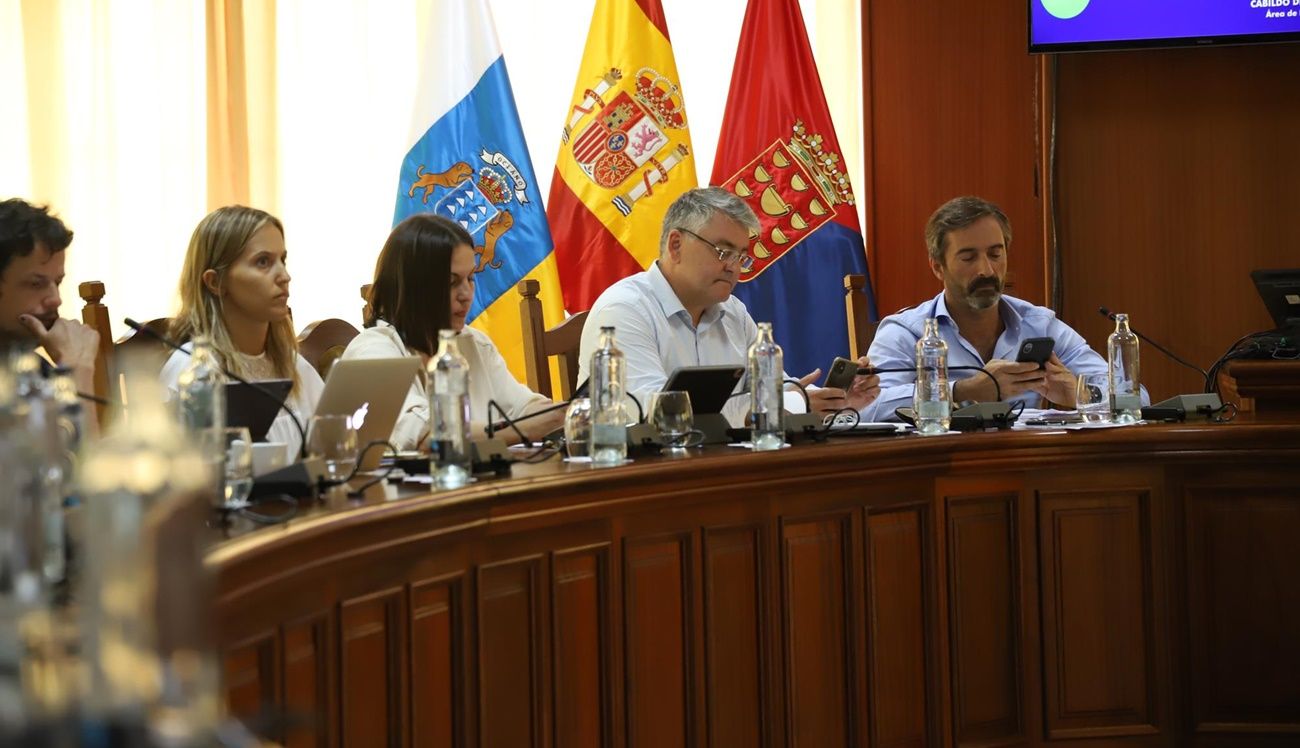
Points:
x=302, y=432
x=997, y=388
x=1103, y=311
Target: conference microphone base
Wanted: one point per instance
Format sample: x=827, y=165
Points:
x=487, y=456
x=805, y=426
x=996, y=415
x=301, y=480
x=1179, y=407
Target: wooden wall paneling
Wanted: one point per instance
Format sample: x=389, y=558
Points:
x=251, y=677
x=581, y=641
x=983, y=616
x=900, y=625
x=372, y=669
x=1243, y=610
x=657, y=624
x=733, y=636
x=1177, y=176
x=941, y=121
x=1099, y=658
x=308, y=681
x=511, y=644
x=436, y=661
x=817, y=654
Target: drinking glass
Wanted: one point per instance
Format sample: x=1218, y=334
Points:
x=577, y=427
x=672, y=417
x=334, y=440
x=1092, y=398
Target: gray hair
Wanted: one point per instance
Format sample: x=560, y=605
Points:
x=696, y=207
x=958, y=213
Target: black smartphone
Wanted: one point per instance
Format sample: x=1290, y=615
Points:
x=1036, y=350
x=841, y=373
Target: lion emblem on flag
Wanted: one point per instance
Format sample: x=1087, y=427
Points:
x=479, y=202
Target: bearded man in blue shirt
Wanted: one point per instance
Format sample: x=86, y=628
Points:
x=968, y=239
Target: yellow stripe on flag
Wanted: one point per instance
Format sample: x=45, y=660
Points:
x=621, y=38
x=503, y=323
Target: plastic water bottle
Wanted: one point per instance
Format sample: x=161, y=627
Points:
x=609, y=415
x=47, y=465
x=1123, y=362
x=201, y=387
x=22, y=586
x=449, y=413
x=766, y=382
x=933, y=398
x=143, y=592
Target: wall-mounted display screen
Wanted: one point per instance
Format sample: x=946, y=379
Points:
x=1070, y=25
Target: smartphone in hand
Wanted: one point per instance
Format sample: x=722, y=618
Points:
x=1035, y=350
x=841, y=373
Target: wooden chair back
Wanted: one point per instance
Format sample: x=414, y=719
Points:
x=365, y=307
x=323, y=342
x=856, y=306
x=95, y=316
x=540, y=344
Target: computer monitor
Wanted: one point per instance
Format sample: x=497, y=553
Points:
x=1280, y=292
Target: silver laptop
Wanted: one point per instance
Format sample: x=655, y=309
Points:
x=371, y=391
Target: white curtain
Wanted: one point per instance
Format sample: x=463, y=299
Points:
x=106, y=118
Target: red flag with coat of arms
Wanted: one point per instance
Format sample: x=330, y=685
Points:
x=778, y=151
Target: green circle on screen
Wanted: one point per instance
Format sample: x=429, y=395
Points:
x=1064, y=8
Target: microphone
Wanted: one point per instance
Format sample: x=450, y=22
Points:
x=506, y=422
x=302, y=432
x=997, y=388
x=1103, y=311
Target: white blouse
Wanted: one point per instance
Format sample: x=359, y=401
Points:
x=302, y=400
x=489, y=379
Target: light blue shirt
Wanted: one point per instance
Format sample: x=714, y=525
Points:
x=657, y=336
x=894, y=347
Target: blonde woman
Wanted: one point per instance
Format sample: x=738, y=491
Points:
x=235, y=290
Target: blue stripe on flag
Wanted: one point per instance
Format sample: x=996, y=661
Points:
x=483, y=133
x=802, y=295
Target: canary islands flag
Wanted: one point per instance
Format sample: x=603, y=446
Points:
x=469, y=163
x=625, y=151
x=778, y=151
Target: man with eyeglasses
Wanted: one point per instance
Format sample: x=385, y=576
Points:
x=680, y=312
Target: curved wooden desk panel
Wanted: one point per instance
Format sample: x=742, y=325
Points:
x=1126, y=587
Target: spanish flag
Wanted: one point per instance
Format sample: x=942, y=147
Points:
x=468, y=162
x=625, y=153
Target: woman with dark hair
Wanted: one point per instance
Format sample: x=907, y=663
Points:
x=424, y=282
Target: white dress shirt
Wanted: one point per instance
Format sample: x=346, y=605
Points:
x=302, y=399
x=489, y=379
x=656, y=335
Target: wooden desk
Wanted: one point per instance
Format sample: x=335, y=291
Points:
x=1131, y=586
x=1265, y=386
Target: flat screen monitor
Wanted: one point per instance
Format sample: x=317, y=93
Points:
x=1280, y=291
x=1077, y=25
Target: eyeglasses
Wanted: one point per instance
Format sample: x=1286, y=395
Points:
x=726, y=255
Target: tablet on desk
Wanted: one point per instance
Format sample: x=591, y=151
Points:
x=709, y=386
